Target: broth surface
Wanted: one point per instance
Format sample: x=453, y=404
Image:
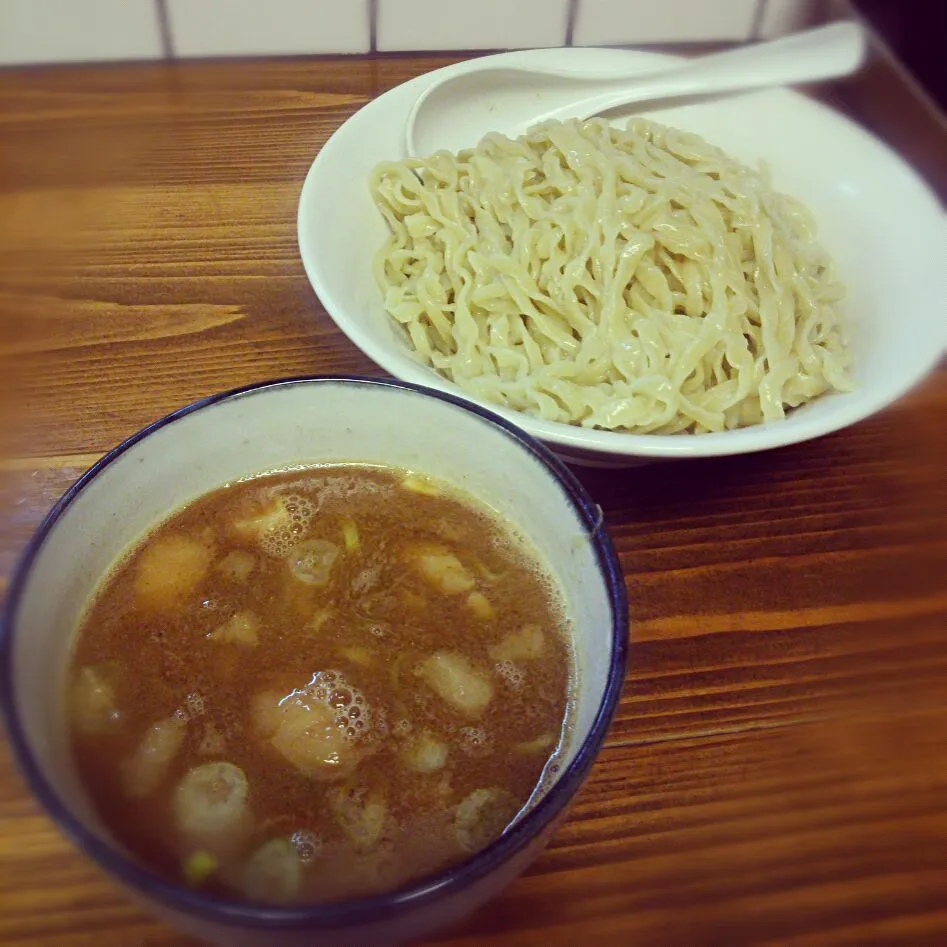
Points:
x=318, y=684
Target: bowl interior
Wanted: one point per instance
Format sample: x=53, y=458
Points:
x=276, y=427
x=876, y=217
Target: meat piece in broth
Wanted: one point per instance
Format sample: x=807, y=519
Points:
x=442, y=569
x=146, y=769
x=171, y=568
x=273, y=873
x=241, y=628
x=311, y=561
x=481, y=606
x=454, y=678
x=260, y=519
x=425, y=753
x=306, y=734
x=482, y=816
x=527, y=644
x=314, y=728
x=237, y=565
x=541, y=744
x=273, y=523
x=211, y=805
x=93, y=703
x=361, y=814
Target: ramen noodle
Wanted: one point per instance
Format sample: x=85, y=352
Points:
x=633, y=280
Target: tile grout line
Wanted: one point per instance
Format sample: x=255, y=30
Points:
x=756, y=27
x=164, y=27
x=572, y=11
x=373, y=26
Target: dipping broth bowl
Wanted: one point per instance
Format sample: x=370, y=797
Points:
x=297, y=423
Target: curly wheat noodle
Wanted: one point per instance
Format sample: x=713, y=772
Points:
x=636, y=280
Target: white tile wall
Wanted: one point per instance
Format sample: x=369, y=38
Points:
x=633, y=22
x=268, y=27
x=78, y=30
x=470, y=24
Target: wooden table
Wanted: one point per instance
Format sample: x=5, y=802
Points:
x=777, y=773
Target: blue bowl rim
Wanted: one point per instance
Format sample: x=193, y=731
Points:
x=331, y=915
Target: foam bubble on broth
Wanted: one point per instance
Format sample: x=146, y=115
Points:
x=474, y=740
x=300, y=509
x=308, y=846
x=510, y=673
x=351, y=712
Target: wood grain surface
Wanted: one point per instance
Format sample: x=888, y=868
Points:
x=777, y=772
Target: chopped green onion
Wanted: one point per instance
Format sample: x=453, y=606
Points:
x=199, y=867
x=350, y=535
x=418, y=484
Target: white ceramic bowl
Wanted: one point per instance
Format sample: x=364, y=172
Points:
x=260, y=429
x=877, y=218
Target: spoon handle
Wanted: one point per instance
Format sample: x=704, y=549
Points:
x=822, y=53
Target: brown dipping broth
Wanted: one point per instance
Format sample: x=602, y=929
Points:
x=385, y=662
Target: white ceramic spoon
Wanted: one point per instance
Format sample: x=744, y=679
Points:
x=459, y=110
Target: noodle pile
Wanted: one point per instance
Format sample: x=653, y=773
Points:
x=633, y=280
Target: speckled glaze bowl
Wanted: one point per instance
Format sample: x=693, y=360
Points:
x=306, y=421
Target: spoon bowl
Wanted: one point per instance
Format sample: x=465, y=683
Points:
x=459, y=110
